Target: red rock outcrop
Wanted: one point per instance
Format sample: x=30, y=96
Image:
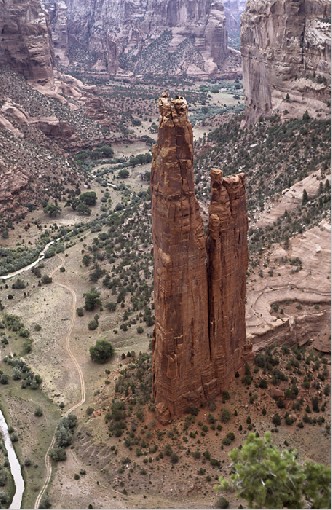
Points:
x=227, y=266
x=25, y=39
x=182, y=372
x=200, y=335
x=286, y=53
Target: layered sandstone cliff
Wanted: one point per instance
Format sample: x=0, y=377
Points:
x=25, y=42
x=286, y=51
x=140, y=36
x=200, y=335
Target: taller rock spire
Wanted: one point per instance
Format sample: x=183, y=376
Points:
x=199, y=339
x=182, y=374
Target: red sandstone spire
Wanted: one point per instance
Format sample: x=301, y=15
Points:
x=227, y=267
x=181, y=352
x=199, y=296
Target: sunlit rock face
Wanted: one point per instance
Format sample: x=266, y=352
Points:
x=25, y=42
x=286, y=52
x=199, y=281
x=141, y=37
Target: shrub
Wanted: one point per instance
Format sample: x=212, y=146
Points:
x=46, y=279
x=102, y=351
x=92, y=299
x=174, y=458
x=221, y=502
x=276, y=420
x=123, y=173
x=89, y=198
x=80, y=312
x=93, y=325
x=263, y=384
x=19, y=284
x=58, y=454
x=225, y=416
x=38, y=412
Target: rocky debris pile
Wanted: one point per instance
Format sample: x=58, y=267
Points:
x=59, y=119
x=200, y=338
x=286, y=52
x=35, y=131
x=29, y=174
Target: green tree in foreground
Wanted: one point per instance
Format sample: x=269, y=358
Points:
x=102, y=351
x=267, y=477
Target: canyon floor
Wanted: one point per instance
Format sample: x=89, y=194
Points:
x=287, y=304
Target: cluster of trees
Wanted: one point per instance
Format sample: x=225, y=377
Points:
x=83, y=203
x=63, y=437
x=105, y=151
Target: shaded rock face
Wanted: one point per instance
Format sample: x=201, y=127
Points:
x=199, y=297
x=228, y=262
x=141, y=36
x=286, y=49
x=57, y=11
x=25, y=42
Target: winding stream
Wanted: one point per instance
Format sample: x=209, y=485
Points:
x=33, y=264
x=14, y=465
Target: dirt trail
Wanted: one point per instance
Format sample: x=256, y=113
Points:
x=48, y=463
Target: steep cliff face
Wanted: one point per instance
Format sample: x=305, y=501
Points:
x=57, y=11
x=141, y=36
x=199, y=293
x=181, y=356
x=286, y=51
x=227, y=266
x=25, y=42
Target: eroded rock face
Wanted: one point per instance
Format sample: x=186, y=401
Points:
x=286, y=52
x=182, y=375
x=200, y=336
x=227, y=266
x=141, y=36
x=25, y=42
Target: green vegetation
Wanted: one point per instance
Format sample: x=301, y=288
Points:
x=52, y=210
x=267, y=477
x=63, y=437
x=92, y=300
x=102, y=352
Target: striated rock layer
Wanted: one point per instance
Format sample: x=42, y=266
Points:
x=140, y=36
x=182, y=374
x=25, y=42
x=227, y=266
x=200, y=336
x=286, y=52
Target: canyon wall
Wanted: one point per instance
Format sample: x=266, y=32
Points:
x=286, y=51
x=199, y=283
x=25, y=42
x=140, y=36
